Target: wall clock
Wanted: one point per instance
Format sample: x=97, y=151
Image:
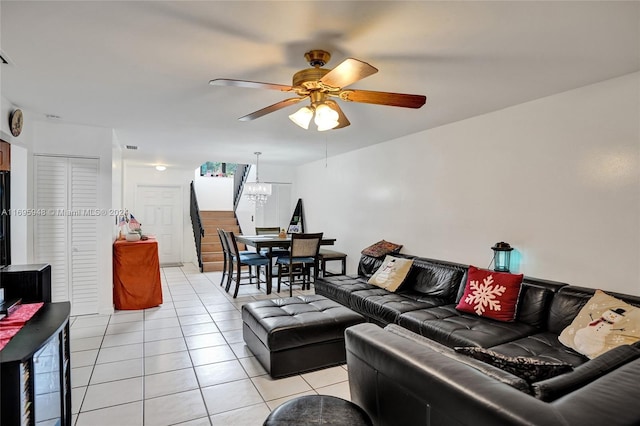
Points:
x=15, y=122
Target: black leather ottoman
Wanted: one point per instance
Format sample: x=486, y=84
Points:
x=297, y=334
x=318, y=410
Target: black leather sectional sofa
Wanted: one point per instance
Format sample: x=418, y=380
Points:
x=407, y=373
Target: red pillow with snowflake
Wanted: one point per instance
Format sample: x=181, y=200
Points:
x=491, y=294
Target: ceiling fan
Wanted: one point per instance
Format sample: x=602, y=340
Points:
x=320, y=84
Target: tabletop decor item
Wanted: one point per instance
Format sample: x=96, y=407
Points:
x=132, y=236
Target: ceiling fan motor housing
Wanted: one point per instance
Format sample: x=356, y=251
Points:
x=317, y=58
x=309, y=78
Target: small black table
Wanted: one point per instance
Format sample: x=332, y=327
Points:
x=318, y=410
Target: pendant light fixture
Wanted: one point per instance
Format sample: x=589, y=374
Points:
x=257, y=192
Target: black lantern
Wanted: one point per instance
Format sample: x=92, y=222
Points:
x=501, y=256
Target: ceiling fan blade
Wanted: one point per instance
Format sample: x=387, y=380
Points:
x=348, y=72
x=343, y=121
x=250, y=84
x=383, y=98
x=271, y=108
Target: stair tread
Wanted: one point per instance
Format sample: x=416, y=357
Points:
x=210, y=248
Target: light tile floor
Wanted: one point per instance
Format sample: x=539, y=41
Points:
x=183, y=363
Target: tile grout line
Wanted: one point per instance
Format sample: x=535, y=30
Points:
x=193, y=367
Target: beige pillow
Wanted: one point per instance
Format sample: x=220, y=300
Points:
x=391, y=273
x=602, y=324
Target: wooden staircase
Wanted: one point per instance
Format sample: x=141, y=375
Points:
x=212, y=255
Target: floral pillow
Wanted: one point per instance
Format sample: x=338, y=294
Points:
x=382, y=248
x=530, y=369
x=391, y=273
x=491, y=294
x=604, y=323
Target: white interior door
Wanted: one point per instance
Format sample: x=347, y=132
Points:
x=83, y=200
x=65, y=225
x=51, y=231
x=159, y=210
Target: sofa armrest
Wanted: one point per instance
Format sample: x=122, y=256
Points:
x=400, y=381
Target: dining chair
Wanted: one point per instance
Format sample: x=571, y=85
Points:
x=226, y=254
x=303, y=255
x=226, y=251
x=267, y=230
x=275, y=251
x=239, y=260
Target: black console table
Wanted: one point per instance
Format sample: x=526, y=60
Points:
x=35, y=370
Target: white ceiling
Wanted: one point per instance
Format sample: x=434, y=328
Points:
x=143, y=68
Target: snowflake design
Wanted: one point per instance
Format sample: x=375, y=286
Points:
x=593, y=306
x=484, y=295
x=618, y=339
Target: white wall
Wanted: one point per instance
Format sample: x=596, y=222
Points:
x=116, y=179
x=558, y=178
x=214, y=193
x=19, y=200
x=147, y=175
x=20, y=166
x=85, y=141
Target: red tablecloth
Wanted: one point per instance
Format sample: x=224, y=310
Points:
x=10, y=325
x=136, y=274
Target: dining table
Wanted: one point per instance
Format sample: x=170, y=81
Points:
x=270, y=242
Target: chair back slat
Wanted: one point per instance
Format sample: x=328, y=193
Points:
x=305, y=245
x=271, y=230
x=223, y=242
x=232, y=244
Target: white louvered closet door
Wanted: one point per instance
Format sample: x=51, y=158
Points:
x=66, y=198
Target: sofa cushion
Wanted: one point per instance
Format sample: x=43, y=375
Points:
x=533, y=304
x=489, y=370
x=413, y=320
x=605, y=322
x=569, y=300
x=530, y=369
x=382, y=248
x=392, y=273
x=436, y=279
x=553, y=388
x=340, y=287
x=463, y=329
x=491, y=294
x=368, y=265
x=385, y=307
x=543, y=345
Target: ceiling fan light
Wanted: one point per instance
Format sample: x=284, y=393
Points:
x=302, y=117
x=324, y=113
x=327, y=125
x=326, y=117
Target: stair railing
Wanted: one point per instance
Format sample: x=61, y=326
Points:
x=239, y=178
x=196, y=222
